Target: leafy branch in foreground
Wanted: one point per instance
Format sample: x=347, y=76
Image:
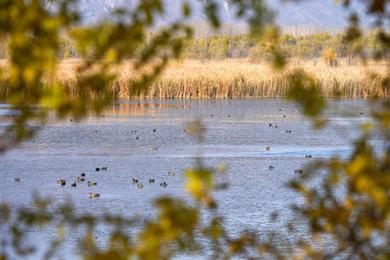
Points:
x=347, y=212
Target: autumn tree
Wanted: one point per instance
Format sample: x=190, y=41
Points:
x=330, y=57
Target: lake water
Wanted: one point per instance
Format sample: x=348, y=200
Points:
x=237, y=132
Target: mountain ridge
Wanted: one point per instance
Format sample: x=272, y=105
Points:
x=315, y=13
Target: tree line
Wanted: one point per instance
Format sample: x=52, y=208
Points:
x=318, y=45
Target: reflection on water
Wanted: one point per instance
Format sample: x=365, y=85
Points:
x=141, y=108
x=120, y=109
x=147, y=140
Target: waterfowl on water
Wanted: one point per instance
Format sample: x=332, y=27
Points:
x=307, y=156
x=288, y=131
x=154, y=130
x=93, y=195
x=82, y=174
x=151, y=180
x=163, y=184
x=171, y=174
x=271, y=168
x=104, y=168
x=97, y=169
x=140, y=186
x=267, y=148
x=61, y=182
x=17, y=179
x=135, y=181
x=80, y=179
x=74, y=184
x=92, y=183
x=298, y=171
x=137, y=137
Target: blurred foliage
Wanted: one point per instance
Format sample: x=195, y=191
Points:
x=305, y=89
x=347, y=201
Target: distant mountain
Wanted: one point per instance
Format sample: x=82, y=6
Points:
x=311, y=13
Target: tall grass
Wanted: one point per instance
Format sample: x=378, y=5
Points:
x=230, y=79
x=242, y=79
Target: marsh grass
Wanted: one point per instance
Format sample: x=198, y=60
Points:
x=234, y=79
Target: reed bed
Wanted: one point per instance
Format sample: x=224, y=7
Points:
x=236, y=79
x=242, y=79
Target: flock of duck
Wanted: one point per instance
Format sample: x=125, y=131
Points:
x=139, y=184
x=93, y=195
x=81, y=179
x=268, y=148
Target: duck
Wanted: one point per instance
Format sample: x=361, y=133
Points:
x=80, y=179
x=163, y=184
x=267, y=148
x=17, y=179
x=271, y=167
x=104, y=168
x=135, y=181
x=171, y=174
x=97, y=169
x=308, y=156
x=61, y=182
x=140, y=186
x=74, y=184
x=288, y=131
x=300, y=171
x=82, y=174
x=151, y=180
x=93, y=195
x=154, y=130
x=92, y=183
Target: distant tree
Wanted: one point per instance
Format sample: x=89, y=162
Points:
x=330, y=57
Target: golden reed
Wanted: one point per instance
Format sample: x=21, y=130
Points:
x=238, y=78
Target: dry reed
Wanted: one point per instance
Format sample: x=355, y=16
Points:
x=227, y=79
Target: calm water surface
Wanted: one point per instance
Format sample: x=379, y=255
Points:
x=237, y=132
